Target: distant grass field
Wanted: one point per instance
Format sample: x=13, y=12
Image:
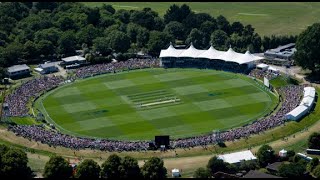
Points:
x=278, y=18
x=143, y=103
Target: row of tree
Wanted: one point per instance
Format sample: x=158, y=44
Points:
x=35, y=31
x=14, y=164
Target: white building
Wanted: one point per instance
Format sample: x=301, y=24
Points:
x=18, y=70
x=47, y=68
x=237, y=157
x=73, y=60
x=305, y=105
x=175, y=173
x=283, y=153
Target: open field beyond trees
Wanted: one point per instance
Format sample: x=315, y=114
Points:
x=278, y=18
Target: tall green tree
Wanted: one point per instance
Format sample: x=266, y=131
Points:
x=107, y=9
x=45, y=5
x=111, y=167
x=291, y=170
x=312, y=164
x=66, y=23
x=129, y=168
x=14, y=163
x=308, y=55
x=118, y=41
x=201, y=173
x=123, y=16
x=316, y=171
x=196, y=37
x=88, y=169
x=145, y=18
x=237, y=27
x=142, y=37
x=101, y=45
x=51, y=34
x=45, y=48
x=176, y=13
x=256, y=43
x=157, y=41
x=67, y=43
x=12, y=53
x=175, y=29
x=314, y=141
x=208, y=27
x=93, y=16
x=16, y=10
x=30, y=50
x=58, y=168
x=265, y=155
x=87, y=35
x=220, y=40
x=154, y=169
x=132, y=31
x=248, y=165
x=223, y=24
x=214, y=165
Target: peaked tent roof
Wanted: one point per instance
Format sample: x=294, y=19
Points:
x=170, y=52
x=211, y=53
x=247, y=57
x=230, y=55
x=191, y=52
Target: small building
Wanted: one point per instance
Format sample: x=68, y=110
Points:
x=305, y=157
x=297, y=113
x=46, y=68
x=18, y=71
x=221, y=174
x=313, y=151
x=72, y=60
x=259, y=174
x=283, y=153
x=262, y=66
x=274, y=167
x=237, y=157
x=175, y=173
x=282, y=52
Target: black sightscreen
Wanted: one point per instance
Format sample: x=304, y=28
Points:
x=162, y=140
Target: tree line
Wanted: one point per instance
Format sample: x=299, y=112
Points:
x=32, y=32
x=14, y=164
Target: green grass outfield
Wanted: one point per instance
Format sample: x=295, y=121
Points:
x=109, y=106
x=278, y=18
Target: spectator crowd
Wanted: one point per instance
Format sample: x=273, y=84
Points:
x=258, y=73
x=130, y=64
x=18, y=100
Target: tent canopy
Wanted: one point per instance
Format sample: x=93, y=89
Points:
x=263, y=66
x=237, y=157
x=211, y=53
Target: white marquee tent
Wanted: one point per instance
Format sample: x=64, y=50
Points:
x=237, y=157
x=211, y=53
x=309, y=91
x=263, y=66
x=297, y=113
x=305, y=105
